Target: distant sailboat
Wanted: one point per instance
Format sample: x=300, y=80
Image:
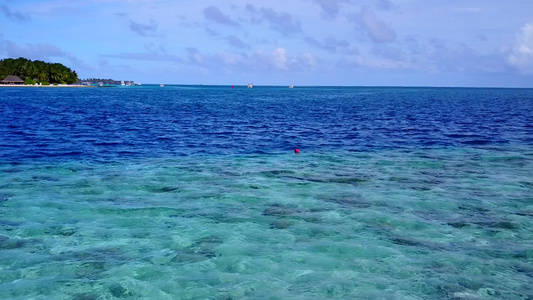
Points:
x=291, y=86
x=250, y=85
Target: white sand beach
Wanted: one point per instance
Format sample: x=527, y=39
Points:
x=47, y=86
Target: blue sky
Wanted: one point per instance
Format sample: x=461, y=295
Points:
x=300, y=42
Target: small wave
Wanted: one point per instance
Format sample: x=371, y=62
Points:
x=109, y=143
x=462, y=135
x=476, y=142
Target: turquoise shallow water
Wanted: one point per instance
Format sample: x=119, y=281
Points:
x=450, y=223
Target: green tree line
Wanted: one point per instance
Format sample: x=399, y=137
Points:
x=37, y=71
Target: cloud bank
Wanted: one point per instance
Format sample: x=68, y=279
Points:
x=213, y=13
x=521, y=55
x=16, y=16
x=376, y=29
x=143, y=29
x=316, y=41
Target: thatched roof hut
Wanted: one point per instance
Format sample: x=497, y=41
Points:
x=11, y=79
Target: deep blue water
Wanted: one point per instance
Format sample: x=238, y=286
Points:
x=139, y=122
x=189, y=192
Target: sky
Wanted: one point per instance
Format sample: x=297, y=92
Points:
x=477, y=43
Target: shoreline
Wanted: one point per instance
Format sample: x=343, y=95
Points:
x=47, y=86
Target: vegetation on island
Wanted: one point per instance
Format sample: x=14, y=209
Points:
x=37, y=71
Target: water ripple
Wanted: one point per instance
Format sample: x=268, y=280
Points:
x=114, y=123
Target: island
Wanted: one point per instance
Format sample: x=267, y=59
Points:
x=24, y=72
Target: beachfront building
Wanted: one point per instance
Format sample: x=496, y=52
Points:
x=12, y=80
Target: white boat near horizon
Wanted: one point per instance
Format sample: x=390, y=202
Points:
x=250, y=85
x=291, y=86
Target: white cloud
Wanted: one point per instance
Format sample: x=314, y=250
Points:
x=195, y=56
x=143, y=29
x=237, y=42
x=521, y=56
x=228, y=58
x=330, y=44
x=385, y=5
x=279, y=21
x=214, y=13
x=388, y=52
x=330, y=8
x=144, y=56
x=378, y=31
x=370, y=62
x=308, y=59
x=277, y=58
x=35, y=51
x=14, y=15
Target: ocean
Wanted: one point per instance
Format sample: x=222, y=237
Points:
x=195, y=192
